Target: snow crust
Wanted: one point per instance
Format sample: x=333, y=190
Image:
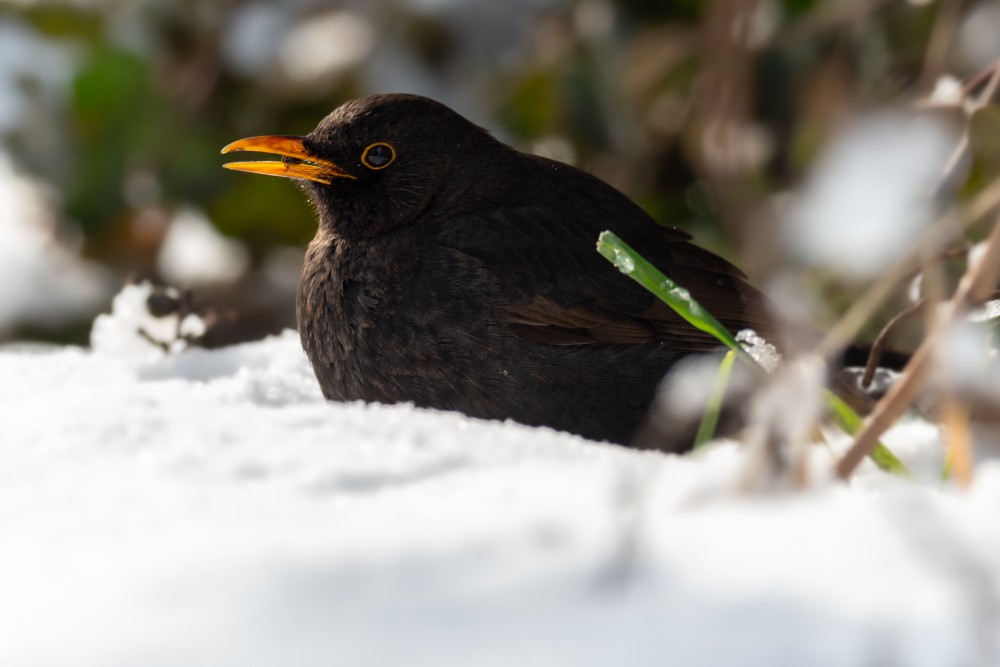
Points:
x=208, y=508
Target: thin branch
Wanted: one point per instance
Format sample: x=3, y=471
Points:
x=942, y=36
x=957, y=155
x=950, y=224
x=976, y=286
x=875, y=354
x=978, y=79
x=991, y=87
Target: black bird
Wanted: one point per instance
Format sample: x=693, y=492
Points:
x=455, y=272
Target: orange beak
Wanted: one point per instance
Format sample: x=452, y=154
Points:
x=297, y=162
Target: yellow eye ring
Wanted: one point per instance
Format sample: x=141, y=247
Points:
x=378, y=156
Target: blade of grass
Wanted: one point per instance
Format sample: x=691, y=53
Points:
x=632, y=264
x=849, y=421
x=710, y=420
x=629, y=262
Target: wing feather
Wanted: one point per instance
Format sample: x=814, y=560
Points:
x=558, y=290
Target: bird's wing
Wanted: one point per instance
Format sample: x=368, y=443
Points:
x=558, y=290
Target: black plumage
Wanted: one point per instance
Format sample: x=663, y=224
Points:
x=455, y=272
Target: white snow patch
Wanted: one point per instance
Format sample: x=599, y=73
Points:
x=131, y=331
x=948, y=92
x=870, y=194
x=251, y=38
x=29, y=61
x=194, y=252
x=209, y=508
x=763, y=352
x=325, y=45
x=976, y=44
x=967, y=360
x=45, y=282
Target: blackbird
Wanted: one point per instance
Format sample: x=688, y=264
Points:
x=454, y=272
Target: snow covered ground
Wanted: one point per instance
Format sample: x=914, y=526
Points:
x=208, y=508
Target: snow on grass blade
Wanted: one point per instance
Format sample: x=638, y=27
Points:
x=632, y=264
x=710, y=420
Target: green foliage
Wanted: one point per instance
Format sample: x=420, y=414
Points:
x=984, y=141
x=62, y=21
x=263, y=212
x=796, y=8
x=117, y=118
x=530, y=111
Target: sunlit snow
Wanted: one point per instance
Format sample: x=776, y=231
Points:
x=870, y=195
x=194, y=252
x=44, y=282
x=208, y=508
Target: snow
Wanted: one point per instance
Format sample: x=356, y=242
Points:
x=28, y=62
x=194, y=252
x=130, y=331
x=325, y=45
x=869, y=196
x=251, y=38
x=208, y=508
x=45, y=282
x=975, y=42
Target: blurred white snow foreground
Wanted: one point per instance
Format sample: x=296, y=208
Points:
x=209, y=509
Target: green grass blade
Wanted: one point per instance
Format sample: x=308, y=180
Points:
x=710, y=420
x=632, y=264
x=850, y=422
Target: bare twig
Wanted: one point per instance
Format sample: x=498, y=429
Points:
x=940, y=42
x=953, y=222
x=993, y=80
x=978, y=79
x=991, y=86
x=975, y=287
x=875, y=354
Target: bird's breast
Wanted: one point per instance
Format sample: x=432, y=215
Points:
x=403, y=319
x=341, y=301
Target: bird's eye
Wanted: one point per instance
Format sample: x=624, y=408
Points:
x=378, y=155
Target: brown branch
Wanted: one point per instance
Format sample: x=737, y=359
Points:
x=942, y=36
x=978, y=79
x=991, y=86
x=875, y=353
x=953, y=222
x=878, y=345
x=976, y=286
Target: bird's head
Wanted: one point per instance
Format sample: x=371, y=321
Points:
x=376, y=163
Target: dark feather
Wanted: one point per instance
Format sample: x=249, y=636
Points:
x=465, y=276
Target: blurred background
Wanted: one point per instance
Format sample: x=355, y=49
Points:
x=112, y=114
